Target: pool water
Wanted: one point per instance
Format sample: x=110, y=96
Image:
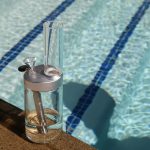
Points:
x=120, y=109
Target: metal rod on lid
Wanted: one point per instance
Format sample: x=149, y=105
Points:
x=40, y=112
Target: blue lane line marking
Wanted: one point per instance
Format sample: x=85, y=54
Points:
x=28, y=38
x=90, y=92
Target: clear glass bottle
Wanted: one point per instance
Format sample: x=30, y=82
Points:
x=43, y=89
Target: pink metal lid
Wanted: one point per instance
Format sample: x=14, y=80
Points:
x=36, y=80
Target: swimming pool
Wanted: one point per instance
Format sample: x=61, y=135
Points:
x=91, y=28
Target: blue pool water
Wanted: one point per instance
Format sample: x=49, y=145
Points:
x=120, y=110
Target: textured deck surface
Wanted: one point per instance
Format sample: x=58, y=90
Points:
x=13, y=137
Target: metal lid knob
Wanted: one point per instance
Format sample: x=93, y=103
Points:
x=30, y=61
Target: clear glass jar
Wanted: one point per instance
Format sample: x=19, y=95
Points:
x=41, y=127
x=43, y=89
